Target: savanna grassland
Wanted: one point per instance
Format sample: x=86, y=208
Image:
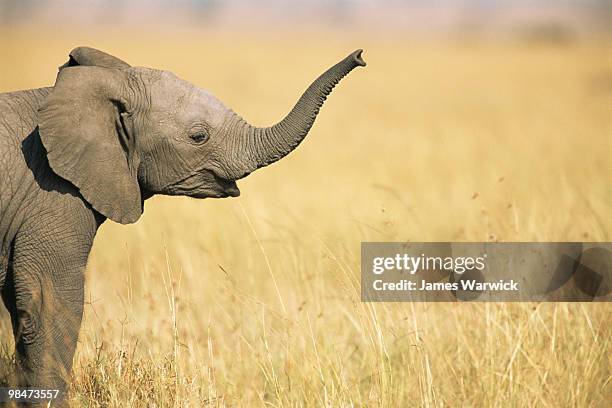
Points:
x=255, y=301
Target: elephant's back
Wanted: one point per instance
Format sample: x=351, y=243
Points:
x=18, y=118
x=20, y=107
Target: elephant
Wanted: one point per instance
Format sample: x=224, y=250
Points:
x=106, y=137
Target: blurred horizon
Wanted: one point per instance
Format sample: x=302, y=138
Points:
x=558, y=21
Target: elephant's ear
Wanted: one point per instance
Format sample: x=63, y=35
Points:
x=86, y=56
x=85, y=128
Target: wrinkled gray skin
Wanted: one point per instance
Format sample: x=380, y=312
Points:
x=106, y=137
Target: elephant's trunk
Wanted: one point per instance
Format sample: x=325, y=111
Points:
x=267, y=145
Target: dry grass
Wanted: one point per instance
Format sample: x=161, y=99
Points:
x=255, y=301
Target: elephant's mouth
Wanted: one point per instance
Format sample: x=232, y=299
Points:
x=206, y=184
x=227, y=187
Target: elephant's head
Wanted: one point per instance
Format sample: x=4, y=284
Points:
x=122, y=133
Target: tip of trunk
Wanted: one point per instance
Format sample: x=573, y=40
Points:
x=357, y=58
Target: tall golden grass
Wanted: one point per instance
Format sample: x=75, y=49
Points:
x=255, y=301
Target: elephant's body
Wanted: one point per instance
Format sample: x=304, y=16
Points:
x=95, y=146
x=18, y=120
x=46, y=232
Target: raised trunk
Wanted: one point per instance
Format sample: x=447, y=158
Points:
x=267, y=145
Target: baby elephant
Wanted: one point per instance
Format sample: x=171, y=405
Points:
x=105, y=138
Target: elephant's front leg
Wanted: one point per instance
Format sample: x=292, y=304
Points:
x=48, y=280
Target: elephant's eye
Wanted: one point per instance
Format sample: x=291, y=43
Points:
x=199, y=137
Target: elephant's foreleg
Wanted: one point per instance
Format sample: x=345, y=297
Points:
x=48, y=280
